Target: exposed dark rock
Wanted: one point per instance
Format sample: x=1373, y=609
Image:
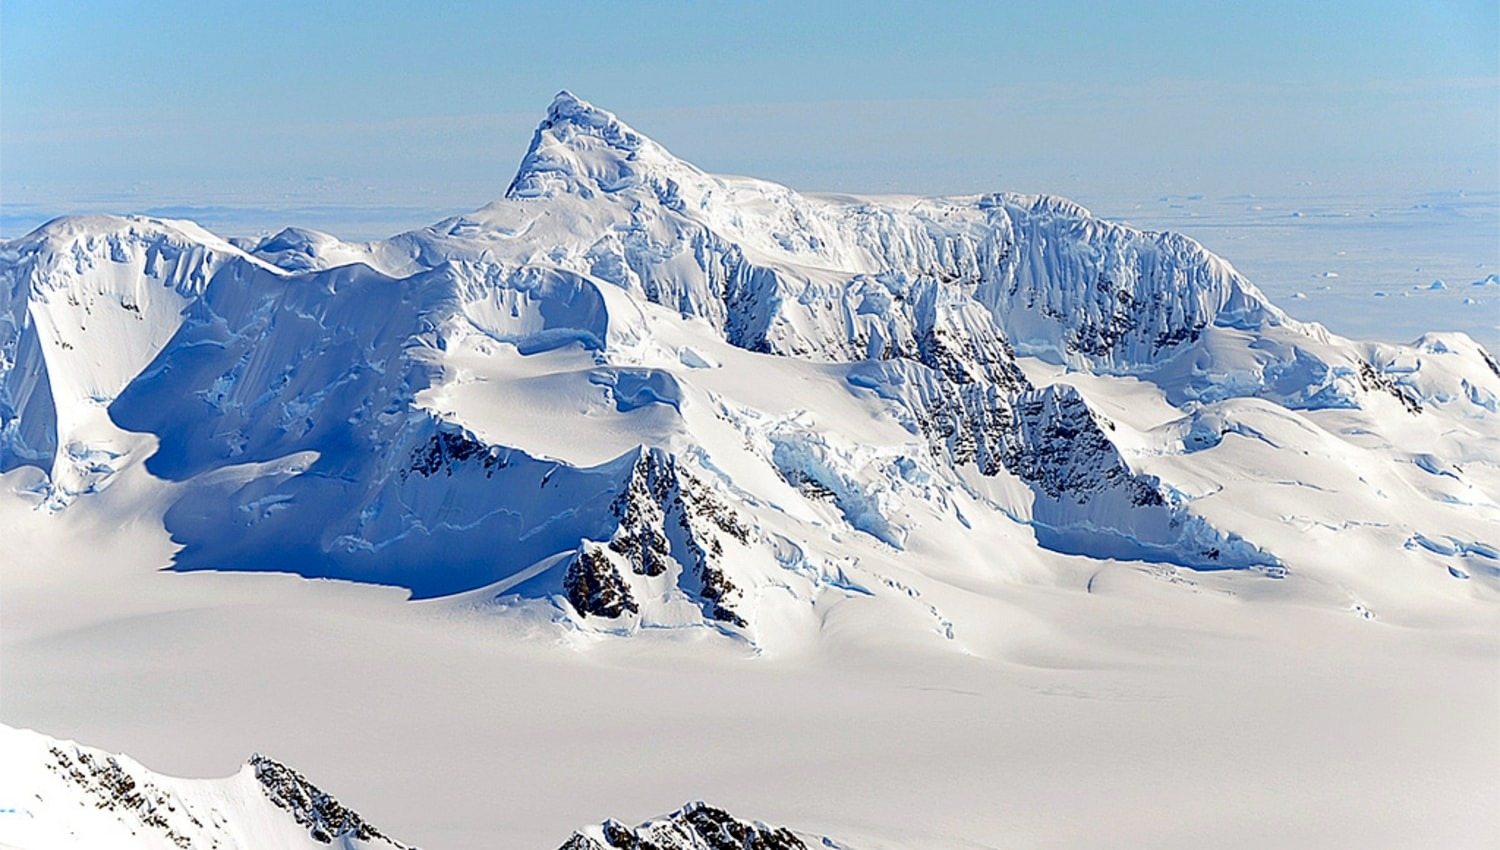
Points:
x=1373, y=380
x=1178, y=335
x=1059, y=447
x=808, y=485
x=700, y=514
x=449, y=448
x=641, y=536
x=696, y=826
x=326, y=819
x=666, y=515
x=594, y=587
x=1117, y=307
x=113, y=789
x=1490, y=362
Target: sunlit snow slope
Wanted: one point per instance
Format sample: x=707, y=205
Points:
x=647, y=396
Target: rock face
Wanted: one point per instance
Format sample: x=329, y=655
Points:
x=72, y=796
x=324, y=817
x=670, y=526
x=594, y=585
x=652, y=397
x=696, y=826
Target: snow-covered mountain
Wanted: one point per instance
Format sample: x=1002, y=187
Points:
x=696, y=826
x=58, y=794
x=648, y=396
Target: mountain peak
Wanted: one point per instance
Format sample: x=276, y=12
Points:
x=568, y=107
x=581, y=149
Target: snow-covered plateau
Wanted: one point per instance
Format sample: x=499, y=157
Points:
x=920, y=522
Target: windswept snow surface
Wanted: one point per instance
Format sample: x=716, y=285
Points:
x=639, y=468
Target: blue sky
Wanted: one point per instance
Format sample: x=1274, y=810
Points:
x=431, y=104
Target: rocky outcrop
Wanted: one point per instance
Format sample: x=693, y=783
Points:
x=326, y=819
x=668, y=524
x=1061, y=447
x=114, y=789
x=593, y=584
x=696, y=826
